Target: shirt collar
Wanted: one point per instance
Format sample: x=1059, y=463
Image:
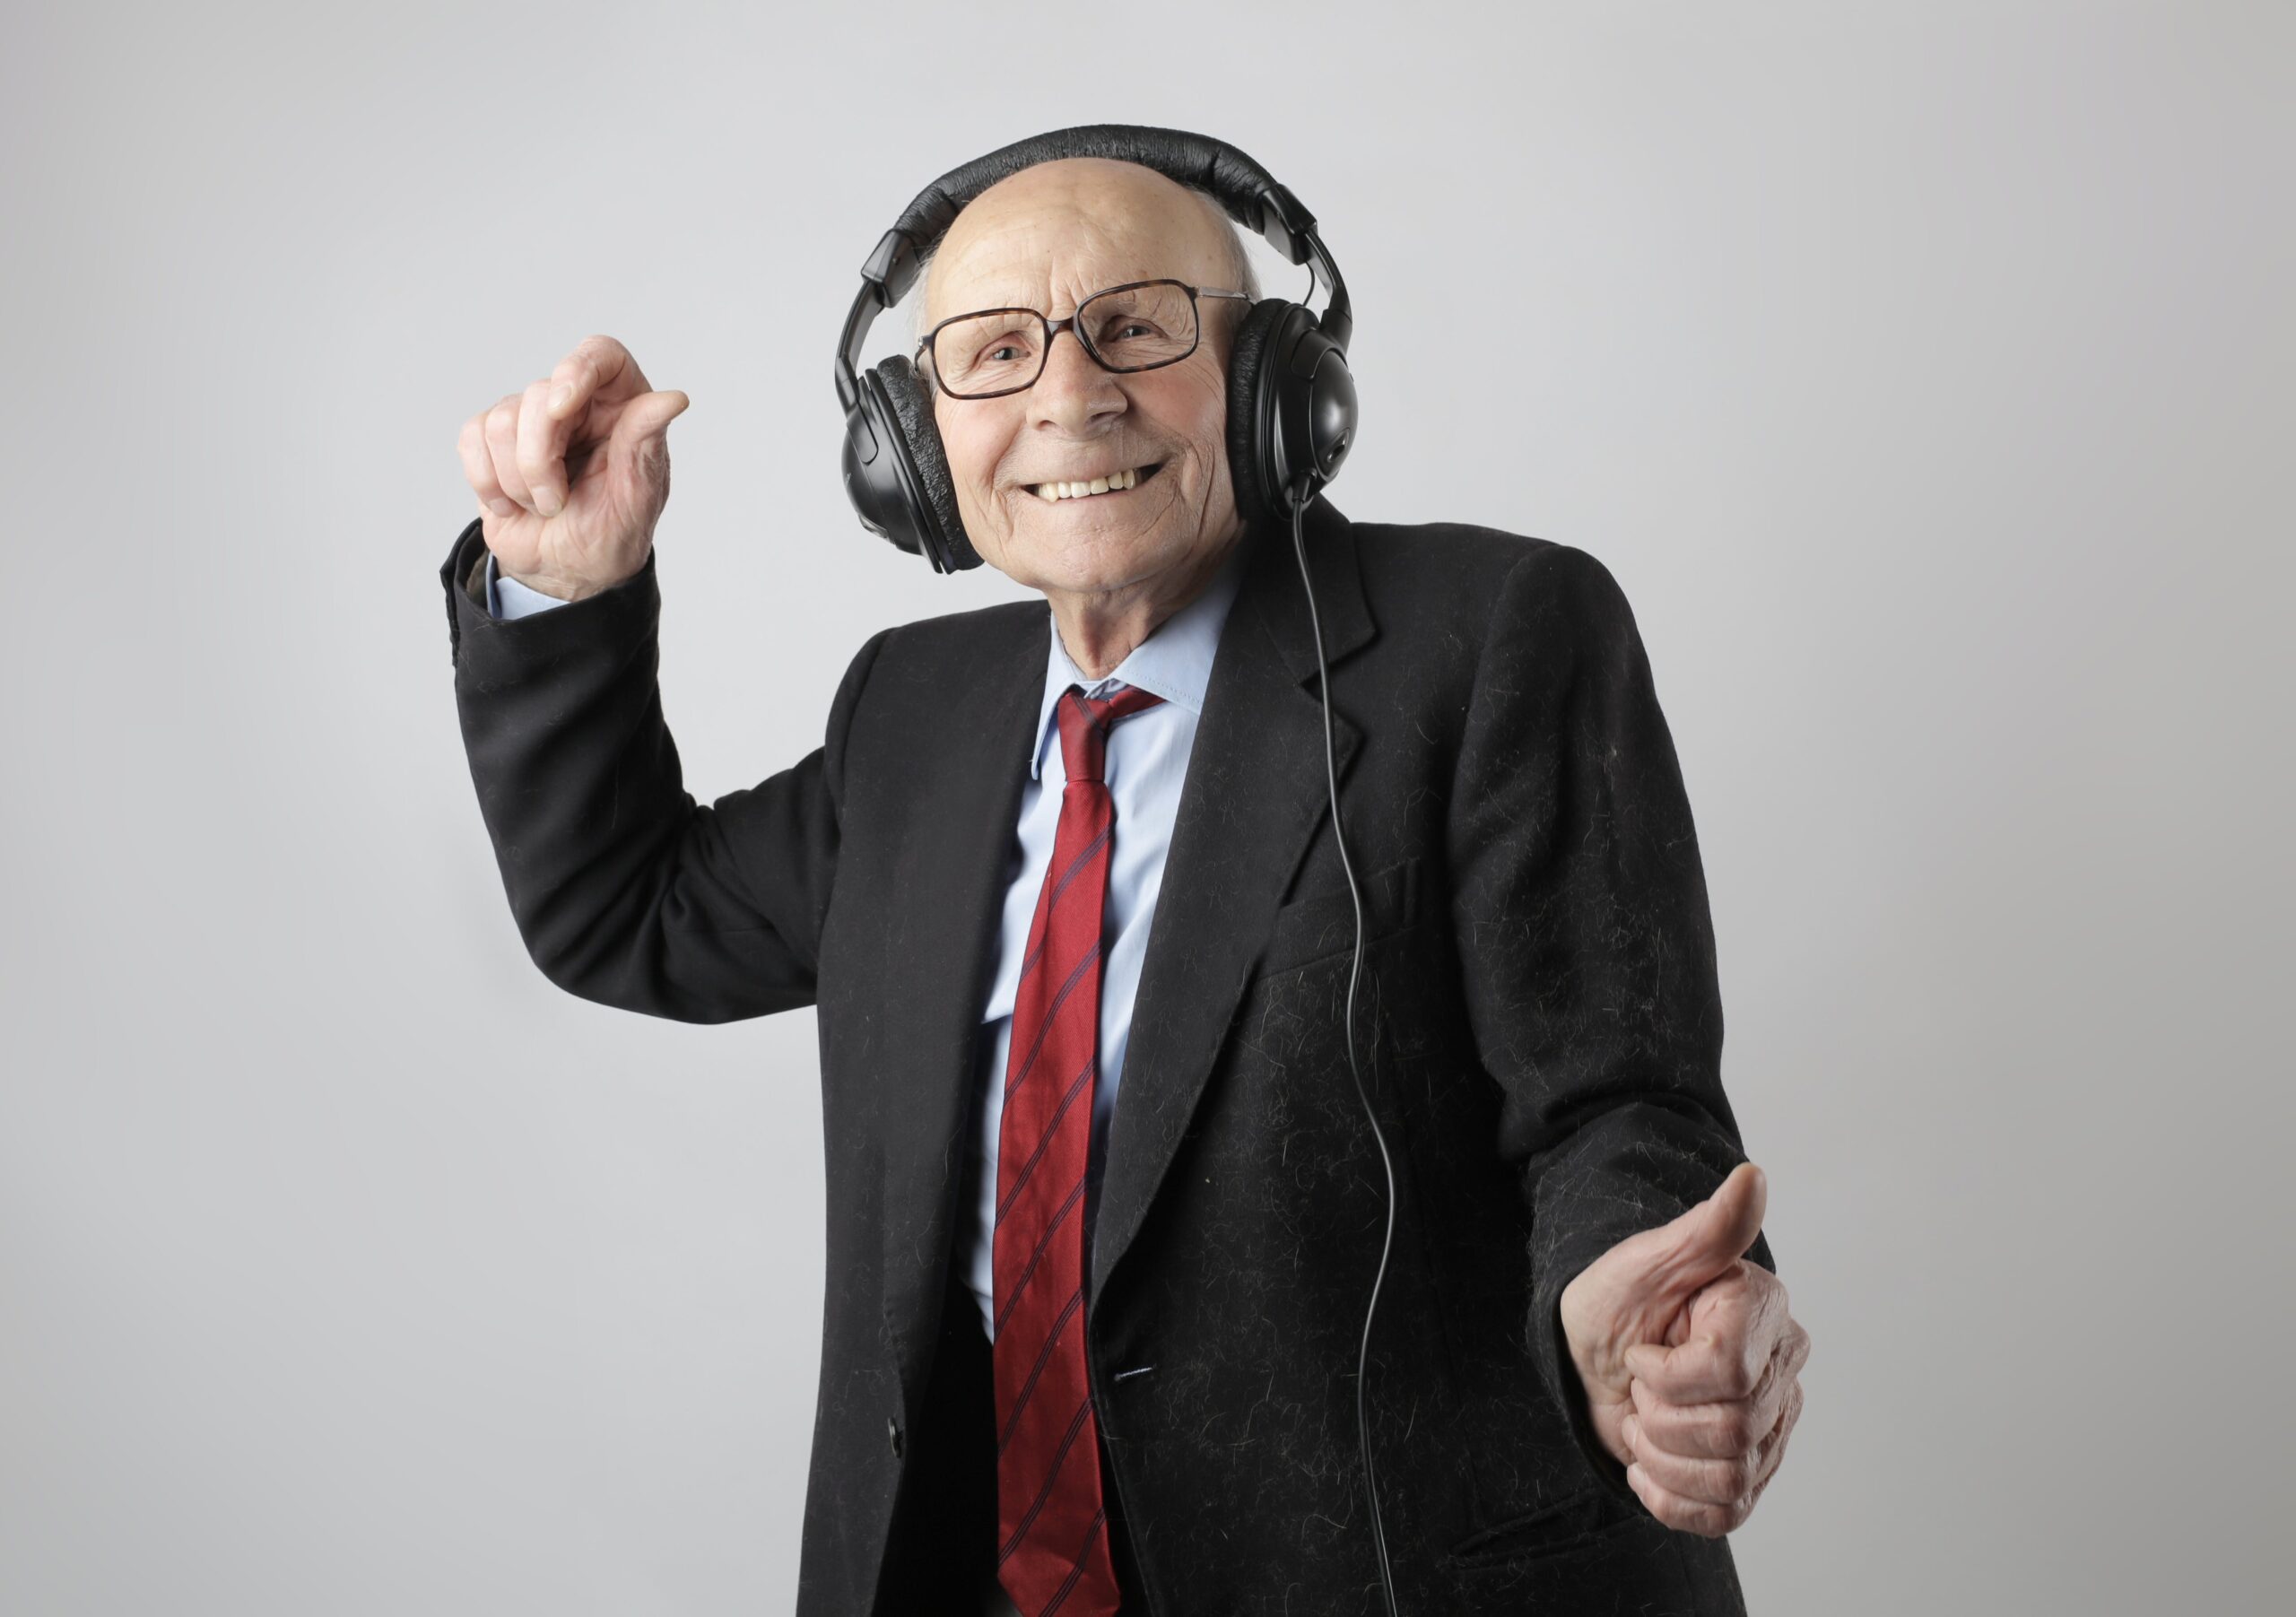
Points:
x=1175, y=661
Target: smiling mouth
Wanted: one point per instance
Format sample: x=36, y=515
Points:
x=1122, y=481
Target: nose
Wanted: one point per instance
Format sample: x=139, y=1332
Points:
x=1074, y=390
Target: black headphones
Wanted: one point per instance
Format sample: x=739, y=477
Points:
x=1291, y=399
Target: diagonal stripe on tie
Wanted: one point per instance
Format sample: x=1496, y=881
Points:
x=1004, y=1437
x=1060, y=887
x=1021, y=1280
x=1029, y=1167
x=1090, y=1534
x=1044, y=1494
x=1087, y=966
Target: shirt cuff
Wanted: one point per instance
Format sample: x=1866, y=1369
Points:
x=508, y=598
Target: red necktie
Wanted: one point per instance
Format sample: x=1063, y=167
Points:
x=1052, y=1552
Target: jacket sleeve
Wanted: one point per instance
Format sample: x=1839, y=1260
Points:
x=626, y=890
x=1586, y=945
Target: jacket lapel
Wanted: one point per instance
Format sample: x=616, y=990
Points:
x=1255, y=791
x=951, y=875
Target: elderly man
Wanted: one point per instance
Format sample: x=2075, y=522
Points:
x=1105, y=1208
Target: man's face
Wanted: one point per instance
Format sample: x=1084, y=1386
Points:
x=1047, y=237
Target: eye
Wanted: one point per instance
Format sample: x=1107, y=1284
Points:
x=1125, y=328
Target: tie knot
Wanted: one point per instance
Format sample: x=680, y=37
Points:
x=1086, y=722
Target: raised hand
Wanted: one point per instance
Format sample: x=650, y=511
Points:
x=1691, y=1362
x=573, y=474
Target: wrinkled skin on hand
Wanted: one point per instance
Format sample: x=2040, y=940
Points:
x=572, y=473
x=1689, y=1359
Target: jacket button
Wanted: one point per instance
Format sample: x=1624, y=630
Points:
x=893, y=1434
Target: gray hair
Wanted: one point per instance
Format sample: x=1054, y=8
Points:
x=1239, y=268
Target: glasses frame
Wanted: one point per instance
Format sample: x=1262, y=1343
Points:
x=1053, y=328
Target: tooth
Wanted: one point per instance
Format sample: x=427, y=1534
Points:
x=1100, y=485
x=1131, y=475
x=1044, y=491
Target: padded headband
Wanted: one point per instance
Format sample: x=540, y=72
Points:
x=1250, y=193
x=1191, y=159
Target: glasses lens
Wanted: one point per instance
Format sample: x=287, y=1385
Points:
x=988, y=352
x=1134, y=328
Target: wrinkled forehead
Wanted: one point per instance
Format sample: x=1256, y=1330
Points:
x=1049, y=236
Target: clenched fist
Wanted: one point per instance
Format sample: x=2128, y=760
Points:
x=1691, y=1363
x=571, y=475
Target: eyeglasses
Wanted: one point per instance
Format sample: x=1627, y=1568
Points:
x=1139, y=326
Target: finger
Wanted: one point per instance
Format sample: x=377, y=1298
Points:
x=1773, y=1448
x=1734, y=1484
x=1720, y=1363
x=1716, y=1429
x=1724, y=1365
x=1745, y=1304
x=1683, y=1514
x=502, y=450
x=1723, y=1481
x=478, y=467
x=597, y=368
x=542, y=449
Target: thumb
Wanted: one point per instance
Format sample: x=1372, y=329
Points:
x=1676, y=1258
x=648, y=416
x=639, y=453
x=1716, y=1233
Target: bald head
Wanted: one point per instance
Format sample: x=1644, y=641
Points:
x=1096, y=199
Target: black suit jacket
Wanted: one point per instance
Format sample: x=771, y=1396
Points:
x=1538, y=1022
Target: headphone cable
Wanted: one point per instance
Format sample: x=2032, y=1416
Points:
x=1299, y=503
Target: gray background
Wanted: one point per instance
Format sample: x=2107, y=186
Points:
x=1916, y=371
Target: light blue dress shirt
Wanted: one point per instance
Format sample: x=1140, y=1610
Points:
x=508, y=598
x=1145, y=762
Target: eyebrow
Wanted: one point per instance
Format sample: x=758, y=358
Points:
x=1011, y=301
x=925, y=320
x=1003, y=299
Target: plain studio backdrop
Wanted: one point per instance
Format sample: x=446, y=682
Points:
x=1920, y=372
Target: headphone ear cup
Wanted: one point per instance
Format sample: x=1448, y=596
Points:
x=1251, y=408
x=918, y=444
